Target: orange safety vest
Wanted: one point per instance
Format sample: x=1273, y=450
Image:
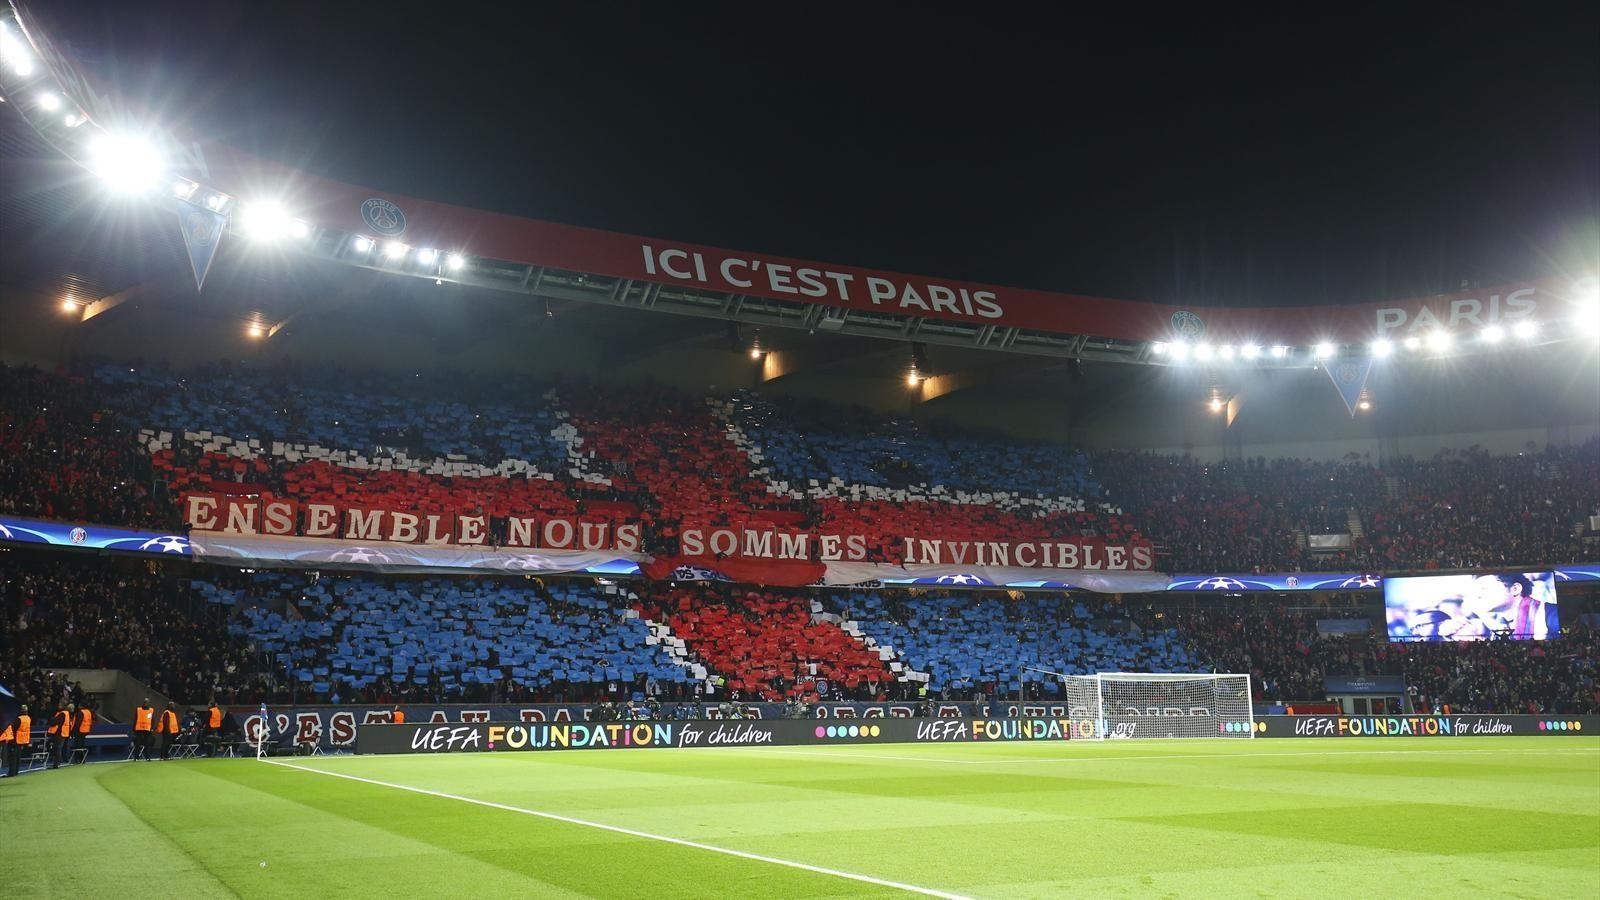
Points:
x=85, y=721
x=216, y=717
x=399, y=717
x=60, y=724
x=169, y=722
x=24, y=730
x=141, y=718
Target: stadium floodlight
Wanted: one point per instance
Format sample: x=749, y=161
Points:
x=1204, y=351
x=14, y=53
x=455, y=261
x=1250, y=351
x=299, y=229
x=49, y=102
x=1325, y=350
x=1413, y=342
x=1493, y=334
x=1159, y=348
x=1216, y=404
x=362, y=244
x=1439, y=341
x=1365, y=404
x=427, y=256
x=1381, y=347
x=395, y=250
x=1527, y=329
x=128, y=163
x=1225, y=351
x=183, y=188
x=1179, y=350
x=69, y=305
x=72, y=120
x=913, y=378
x=254, y=330
x=1280, y=351
x=266, y=221
x=216, y=202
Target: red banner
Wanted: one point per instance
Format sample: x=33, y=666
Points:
x=422, y=223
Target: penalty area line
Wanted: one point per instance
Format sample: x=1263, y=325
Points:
x=630, y=832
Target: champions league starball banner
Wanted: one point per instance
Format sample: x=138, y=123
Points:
x=1282, y=581
x=93, y=537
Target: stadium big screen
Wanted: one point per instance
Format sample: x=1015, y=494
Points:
x=1472, y=607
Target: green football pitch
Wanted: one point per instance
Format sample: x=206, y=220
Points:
x=1501, y=817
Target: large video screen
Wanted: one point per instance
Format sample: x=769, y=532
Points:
x=1476, y=607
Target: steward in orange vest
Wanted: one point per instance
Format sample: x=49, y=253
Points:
x=143, y=717
x=81, y=729
x=8, y=740
x=397, y=717
x=60, y=729
x=21, y=736
x=167, y=727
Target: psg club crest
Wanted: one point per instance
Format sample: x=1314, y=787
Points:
x=383, y=217
x=78, y=536
x=1187, y=326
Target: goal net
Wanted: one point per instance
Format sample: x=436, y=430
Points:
x=1138, y=705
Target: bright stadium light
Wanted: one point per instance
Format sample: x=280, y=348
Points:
x=1439, y=341
x=49, y=102
x=426, y=256
x=14, y=53
x=394, y=250
x=1493, y=334
x=1179, y=350
x=1204, y=351
x=362, y=244
x=72, y=120
x=299, y=229
x=128, y=163
x=1326, y=350
x=266, y=221
x=1216, y=404
x=1527, y=329
x=1250, y=351
x=1413, y=342
x=1365, y=404
x=183, y=188
x=1225, y=351
x=216, y=202
x=1381, y=347
x=254, y=330
x=69, y=305
x=455, y=261
x=1159, y=348
x=1279, y=351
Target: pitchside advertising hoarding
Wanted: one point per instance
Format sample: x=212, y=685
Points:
x=1466, y=725
x=705, y=733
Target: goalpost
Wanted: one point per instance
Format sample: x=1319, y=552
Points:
x=1144, y=705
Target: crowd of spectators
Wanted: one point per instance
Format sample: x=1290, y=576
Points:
x=1288, y=657
x=65, y=611
x=122, y=444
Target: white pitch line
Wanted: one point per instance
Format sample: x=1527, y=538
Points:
x=820, y=870
x=1174, y=756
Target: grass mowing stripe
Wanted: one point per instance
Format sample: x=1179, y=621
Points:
x=616, y=829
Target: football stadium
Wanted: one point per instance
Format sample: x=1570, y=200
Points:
x=387, y=506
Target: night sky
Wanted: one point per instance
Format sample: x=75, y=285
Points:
x=1217, y=155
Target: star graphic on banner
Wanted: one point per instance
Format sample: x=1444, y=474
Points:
x=958, y=579
x=169, y=543
x=360, y=555
x=528, y=562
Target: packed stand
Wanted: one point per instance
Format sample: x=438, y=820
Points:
x=767, y=645
x=1288, y=657
x=980, y=646
x=380, y=640
x=68, y=611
